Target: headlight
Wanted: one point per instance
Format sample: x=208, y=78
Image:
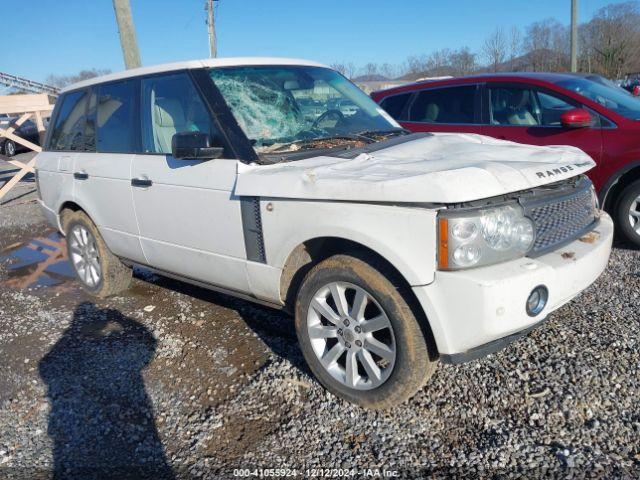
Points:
x=483, y=236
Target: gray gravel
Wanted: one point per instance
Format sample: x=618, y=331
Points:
x=168, y=380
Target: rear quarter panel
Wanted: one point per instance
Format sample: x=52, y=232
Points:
x=55, y=178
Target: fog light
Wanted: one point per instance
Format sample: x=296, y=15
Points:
x=537, y=300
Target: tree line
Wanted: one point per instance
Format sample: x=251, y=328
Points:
x=609, y=44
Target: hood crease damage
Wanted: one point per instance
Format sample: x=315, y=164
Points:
x=441, y=168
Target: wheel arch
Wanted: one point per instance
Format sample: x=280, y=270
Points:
x=68, y=206
x=612, y=188
x=314, y=250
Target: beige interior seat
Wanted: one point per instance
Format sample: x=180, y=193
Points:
x=520, y=111
x=168, y=119
x=431, y=112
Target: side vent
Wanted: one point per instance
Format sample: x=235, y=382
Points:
x=252, y=227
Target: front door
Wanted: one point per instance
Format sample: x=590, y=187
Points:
x=531, y=115
x=190, y=223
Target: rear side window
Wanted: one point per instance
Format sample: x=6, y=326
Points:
x=394, y=105
x=70, y=131
x=116, y=118
x=170, y=105
x=445, y=105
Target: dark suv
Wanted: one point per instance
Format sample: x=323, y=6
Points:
x=539, y=109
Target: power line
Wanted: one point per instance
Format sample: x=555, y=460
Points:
x=26, y=85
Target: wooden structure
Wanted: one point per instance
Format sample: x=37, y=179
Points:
x=25, y=107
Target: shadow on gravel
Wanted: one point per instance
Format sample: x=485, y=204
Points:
x=275, y=328
x=101, y=419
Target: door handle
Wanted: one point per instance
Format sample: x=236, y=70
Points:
x=141, y=182
x=80, y=175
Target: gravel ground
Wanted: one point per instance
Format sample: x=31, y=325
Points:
x=168, y=380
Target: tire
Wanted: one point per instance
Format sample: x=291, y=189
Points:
x=627, y=213
x=9, y=148
x=105, y=274
x=397, y=379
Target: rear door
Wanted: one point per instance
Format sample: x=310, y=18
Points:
x=190, y=221
x=530, y=114
x=102, y=175
x=441, y=109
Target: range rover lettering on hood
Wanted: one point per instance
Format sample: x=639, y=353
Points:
x=560, y=170
x=440, y=168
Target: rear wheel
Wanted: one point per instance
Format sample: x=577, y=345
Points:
x=628, y=213
x=359, y=335
x=99, y=271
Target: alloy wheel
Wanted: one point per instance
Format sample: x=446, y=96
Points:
x=351, y=335
x=84, y=256
x=634, y=214
x=9, y=148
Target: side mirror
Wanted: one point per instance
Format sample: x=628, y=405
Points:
x=576, y=118
x=194, y=146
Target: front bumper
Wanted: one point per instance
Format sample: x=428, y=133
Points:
x=478, y=311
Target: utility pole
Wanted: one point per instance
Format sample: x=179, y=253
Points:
x=574, y=35
x=213, y=50
x=127, y=33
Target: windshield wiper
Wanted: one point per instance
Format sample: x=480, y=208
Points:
x=384, y=133
x=308, y=142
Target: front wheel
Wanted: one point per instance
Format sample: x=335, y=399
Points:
x=359, y=335
x=628, y=213
x=99, y=271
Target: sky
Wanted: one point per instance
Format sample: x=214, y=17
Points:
x=62, y=37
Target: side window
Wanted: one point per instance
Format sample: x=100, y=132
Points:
x=70, y=131
x=170, y=105
x=551, y=108
x=513, y=106
x=116, y=120
x=444, y=105
x=394, y=104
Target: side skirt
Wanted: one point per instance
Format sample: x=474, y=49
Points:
x=205, y=285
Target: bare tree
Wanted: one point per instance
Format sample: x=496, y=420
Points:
x=416, y=64
x=371, y=70
x=462, y=62
x=515, y=46
x=350, y=70
x=547, y=45
x=340, y=68
x=389, y=71
x=612, y=39
x=61, y=81
x=495, y=48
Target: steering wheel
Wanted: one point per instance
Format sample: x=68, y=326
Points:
x=325, y=115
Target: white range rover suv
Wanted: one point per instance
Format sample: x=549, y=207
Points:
x=281, y=182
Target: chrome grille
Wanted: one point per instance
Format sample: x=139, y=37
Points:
x=561, y=219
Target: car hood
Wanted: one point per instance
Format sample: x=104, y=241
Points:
x=439, y=168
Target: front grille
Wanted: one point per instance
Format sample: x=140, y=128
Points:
x=561, y=218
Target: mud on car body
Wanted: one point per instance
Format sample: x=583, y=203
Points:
x=393, y=250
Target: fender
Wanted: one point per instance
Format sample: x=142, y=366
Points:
x=404, y=236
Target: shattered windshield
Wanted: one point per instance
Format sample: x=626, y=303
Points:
x=286, y=108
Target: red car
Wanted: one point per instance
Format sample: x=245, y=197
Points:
x=539, y=109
